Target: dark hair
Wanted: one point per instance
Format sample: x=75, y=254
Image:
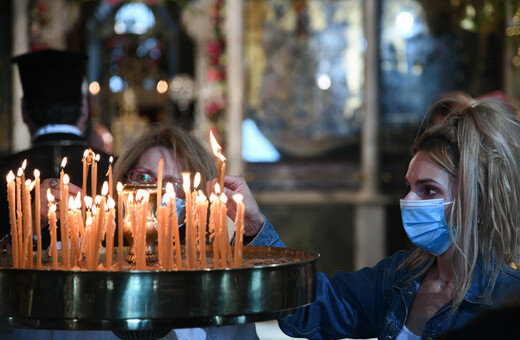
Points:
x=52, y=113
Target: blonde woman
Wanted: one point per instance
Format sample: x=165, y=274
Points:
x=461, y=213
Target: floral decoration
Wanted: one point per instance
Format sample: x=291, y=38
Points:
x=38, y=20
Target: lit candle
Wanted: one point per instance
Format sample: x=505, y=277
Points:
x=64, y=222
x=159, y=182
x=120, y=225
x=87, y=241
x=100, y=223
x=221, y=167
x=71, y=218
x=167, y=232
x=142, y=198
x=202, y=206
x=110, y=187
x=11, y=198
x=174, y=229
x=94, y=175
x=110, y=225
x=76, y=230
x=195, y=219
x=214, y=220
x=86, y=161
x=162, y=250
x=19, y=217
x=188, y=244
x=63, y=208
x=53, y=227
x=23, y=216
x=37, y=219
x=22, y=181
x=225, y=251
x=93, y=247
x=130, y=212
x=28, y=226
x=239, y=231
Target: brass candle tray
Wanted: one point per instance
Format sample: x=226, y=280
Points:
x=272, y=283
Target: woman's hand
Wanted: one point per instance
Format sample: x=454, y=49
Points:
x=253, y=217
x=54, y=185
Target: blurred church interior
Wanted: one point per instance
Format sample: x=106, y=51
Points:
x=316, y=102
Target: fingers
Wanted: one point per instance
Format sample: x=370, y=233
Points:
x=54, y=182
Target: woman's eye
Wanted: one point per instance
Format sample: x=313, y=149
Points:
x=430, y=191
x=145, y=178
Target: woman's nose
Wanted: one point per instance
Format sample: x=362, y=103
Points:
x=411, y=196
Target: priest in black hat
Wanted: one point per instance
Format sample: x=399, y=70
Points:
x=56, y=113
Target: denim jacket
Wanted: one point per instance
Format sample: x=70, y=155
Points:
x=374, y=302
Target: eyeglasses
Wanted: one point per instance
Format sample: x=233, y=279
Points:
x=143, y=177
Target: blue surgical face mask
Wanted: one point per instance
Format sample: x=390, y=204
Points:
x=425, y=224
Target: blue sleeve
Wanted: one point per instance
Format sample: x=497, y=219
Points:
x=349, y=305
x=267, y=237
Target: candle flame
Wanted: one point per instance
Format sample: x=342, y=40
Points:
x=88, y=202
x=119, y=187
x=169, y=189
x=66, y=179
x=196, y=180
x=10, y=176
x=97, y=158
x=85, y=154
x=50, y=197
x=201, y=197
x=130, y=198
x=33, y=184
x=97, y=200
x=64, y=162
x=111, y=159
x=214, y=144
x=142, y=195
x=72, y=203
x=186, y=181
x=28, y=183
x=78, y=200
x=166, y=198
x=238, y=198
x=217, y=188
x=213, y=197
x=52, y=209
x=104, y=189
x=20, y=172
x=111, y=203
x=223, y=198
x=36, y=173
x=24, y=164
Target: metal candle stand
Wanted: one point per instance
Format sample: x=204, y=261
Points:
x=148, y=304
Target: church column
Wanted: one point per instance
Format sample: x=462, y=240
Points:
x=370, y=211
x=20, y=136
x=235, y=96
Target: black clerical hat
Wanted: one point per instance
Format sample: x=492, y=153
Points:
x=51, y=76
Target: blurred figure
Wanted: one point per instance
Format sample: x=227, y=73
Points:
x=55, y=112
x=101, y=138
